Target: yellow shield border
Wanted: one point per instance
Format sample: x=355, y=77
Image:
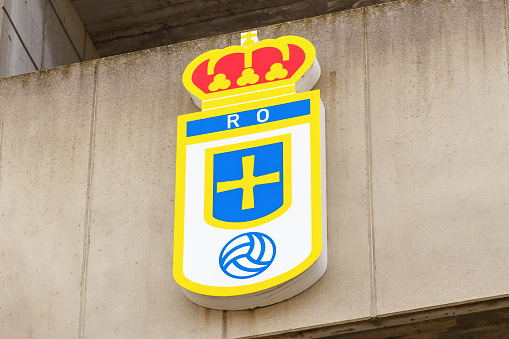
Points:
x=314, y=119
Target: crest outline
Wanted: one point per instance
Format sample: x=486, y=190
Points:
x=314, y=120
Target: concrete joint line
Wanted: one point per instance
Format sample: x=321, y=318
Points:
x=369, y=165
x=506, y=24
x=84, y=47
x=43, y=34
x=20, y=39
x=88, y=213
x=65, y=31
x=225, y=325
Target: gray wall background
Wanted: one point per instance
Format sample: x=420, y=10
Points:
x=40, y=34
x=417, y=111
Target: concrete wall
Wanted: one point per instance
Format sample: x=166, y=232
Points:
x=417, y=99
x=40, y=34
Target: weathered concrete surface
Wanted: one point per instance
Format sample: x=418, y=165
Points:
x=490, y=324
x=479, y=319
x=2, y=4
x=71, y=23
x=119, y=26
x=439, y=103
x=13, y=57
x=58, y=49
x=130, y=289
x=416, y=97
x=44, y=157
x=90, y=53
x=28, y=18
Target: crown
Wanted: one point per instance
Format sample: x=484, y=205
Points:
x=253, y=71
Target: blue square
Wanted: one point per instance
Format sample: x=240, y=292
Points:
x=248, y=183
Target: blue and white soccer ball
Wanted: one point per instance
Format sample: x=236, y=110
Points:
x=247, y=255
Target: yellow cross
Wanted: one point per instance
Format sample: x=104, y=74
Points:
x=248, y=182
x=249, y=41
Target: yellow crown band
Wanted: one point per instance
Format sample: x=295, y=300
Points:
x=248, y=97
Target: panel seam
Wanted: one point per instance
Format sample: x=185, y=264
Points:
x=225, y=325
x=43, y=48
x=65, y=31
x=84, y=47
x=506, y=26
x=369, y=165
x=20, y=39
x=86, y=230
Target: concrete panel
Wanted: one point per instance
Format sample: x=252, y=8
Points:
x=44, y=152
x=439, y=100
x=28, y=18
x=57, y=49
x=343, y=293
x=90, y=51
x=130, y=288
x=72, y=23
x=13, y=56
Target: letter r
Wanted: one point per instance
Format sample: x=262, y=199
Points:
x=232, y=118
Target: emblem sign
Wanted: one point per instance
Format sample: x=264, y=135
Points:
x=250, y=210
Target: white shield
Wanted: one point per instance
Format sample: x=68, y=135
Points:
x=250, y=201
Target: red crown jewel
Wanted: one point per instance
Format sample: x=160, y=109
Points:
x=235, y=70
x=252, y=71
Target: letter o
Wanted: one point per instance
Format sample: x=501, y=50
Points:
x=264, y=110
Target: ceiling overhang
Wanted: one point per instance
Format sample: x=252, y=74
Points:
x=120, y=26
